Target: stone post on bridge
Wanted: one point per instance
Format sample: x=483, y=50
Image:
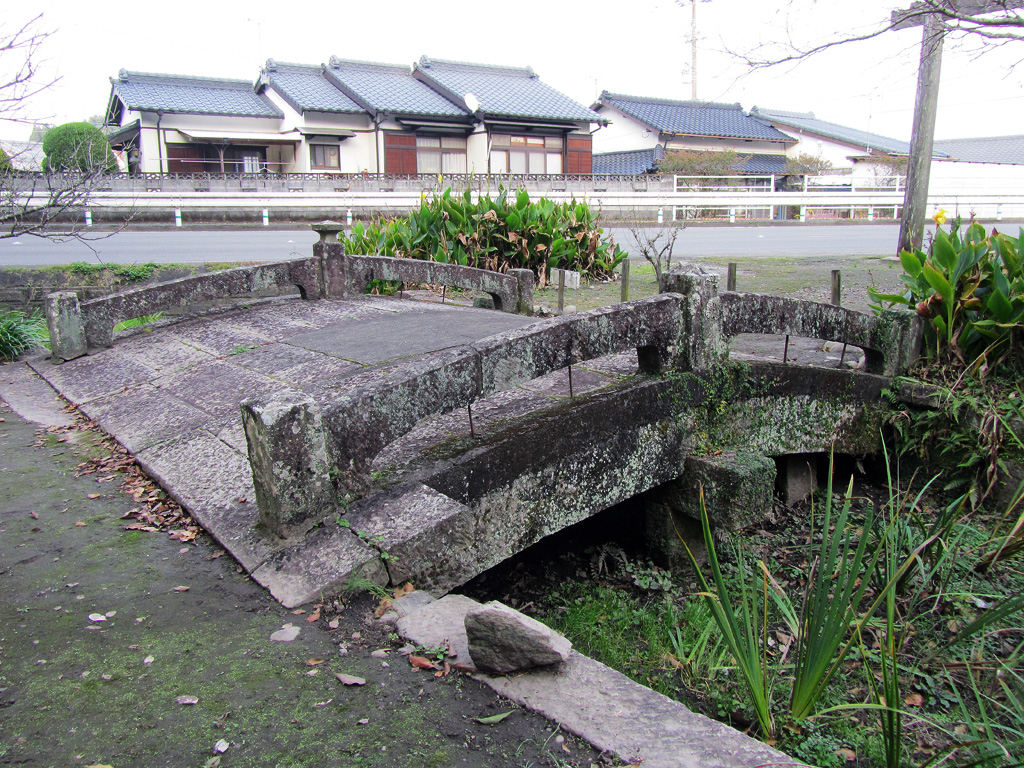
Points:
x=330, y=252
x=67, y=328
x=701, y=343
x=288, y=457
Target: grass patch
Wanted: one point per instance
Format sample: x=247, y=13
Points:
x=20, y=332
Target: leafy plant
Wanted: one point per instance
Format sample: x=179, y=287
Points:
x=136, y=322
x=78, y=147
x=742, y=619
x=970, y=288
x=506, y=232
x=20, y=333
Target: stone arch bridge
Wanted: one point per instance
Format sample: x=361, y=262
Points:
x=358, y=456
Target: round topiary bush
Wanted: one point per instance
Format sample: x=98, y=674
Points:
x=77, y=147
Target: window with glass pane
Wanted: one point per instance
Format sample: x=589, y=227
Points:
x=554, y=162
x=517, y=161
x=499, y=161
x=325, y=156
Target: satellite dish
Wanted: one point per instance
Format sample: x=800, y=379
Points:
x=472, y=102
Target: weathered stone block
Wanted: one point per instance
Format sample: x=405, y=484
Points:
x=510, y=358
x=738, y=489
x=502, y=640
x=701, y=343
x=799, y=478
x=67, y=329
x=288, y=456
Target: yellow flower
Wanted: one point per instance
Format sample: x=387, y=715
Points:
x=940, y=217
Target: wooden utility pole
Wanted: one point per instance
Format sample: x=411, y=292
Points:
x=922, y=135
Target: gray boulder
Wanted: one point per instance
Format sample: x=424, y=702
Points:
x=502, y=640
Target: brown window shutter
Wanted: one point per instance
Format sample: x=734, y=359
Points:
x=580, y=154
x=399, y=153
x=185, y=158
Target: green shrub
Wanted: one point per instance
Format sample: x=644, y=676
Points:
x=77, y=147
x=507, y=232
x=20, y=332
x=970, y=288
x=5, y=163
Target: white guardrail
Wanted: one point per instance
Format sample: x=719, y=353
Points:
x=732, y=199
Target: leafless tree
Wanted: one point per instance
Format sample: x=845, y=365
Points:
x=994, y=22
x=656, y=243
x=33, y=203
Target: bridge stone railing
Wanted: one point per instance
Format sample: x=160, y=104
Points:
x=308, y=456
x=305, y=455
x=78, y=326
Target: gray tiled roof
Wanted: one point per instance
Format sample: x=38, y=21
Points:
x=645, y=160
x=307, y=88
x=191, y=95
x=1008, y=150
x=761, y=164
x=509, y=92
x=389, y=88
x=807, y=122
x=628, y=163
x=693, y=118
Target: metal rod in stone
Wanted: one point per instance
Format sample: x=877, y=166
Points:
x=785, y=353
x=846, y=340
x=730, y=281
x=570, y=381
x=469, y=410
x=444, y=290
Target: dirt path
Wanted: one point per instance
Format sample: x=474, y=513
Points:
x=79, y=691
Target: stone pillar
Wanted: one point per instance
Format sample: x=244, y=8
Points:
x=331, y=254
x=288, y=457
x=799, y=478
x=526, y=280
x=903, y=347
x=701, y=343
x=67, y=329
x=738, y=492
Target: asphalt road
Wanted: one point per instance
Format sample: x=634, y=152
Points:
x=190, y=246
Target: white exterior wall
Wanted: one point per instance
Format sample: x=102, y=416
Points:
x=837, y=153
x=623, y=134
x=478, y=153
x=740, y=146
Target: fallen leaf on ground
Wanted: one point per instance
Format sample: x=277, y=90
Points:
x=847, y=754
x=364, y=721
x=298, y=611
x=333, y=623
x=181, y=588
x=405, y=589
x=221, y=746
x=494, y=719
x=914, y=700
x=93, y=496
x=186, y=700
x=213, y=762
x=350, y=679
x=33, y=515
x=286, y=634
x=421, y=663
x=148, y=660
x=314, y=616
x=313, y=662
x=80, y=524
x=97, y=617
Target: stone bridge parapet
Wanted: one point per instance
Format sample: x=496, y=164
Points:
x=78, y=326
x=684, y=329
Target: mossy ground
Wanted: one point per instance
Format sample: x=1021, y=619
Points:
x=81, y=692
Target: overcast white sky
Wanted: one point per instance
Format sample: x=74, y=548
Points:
x=639, y=47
